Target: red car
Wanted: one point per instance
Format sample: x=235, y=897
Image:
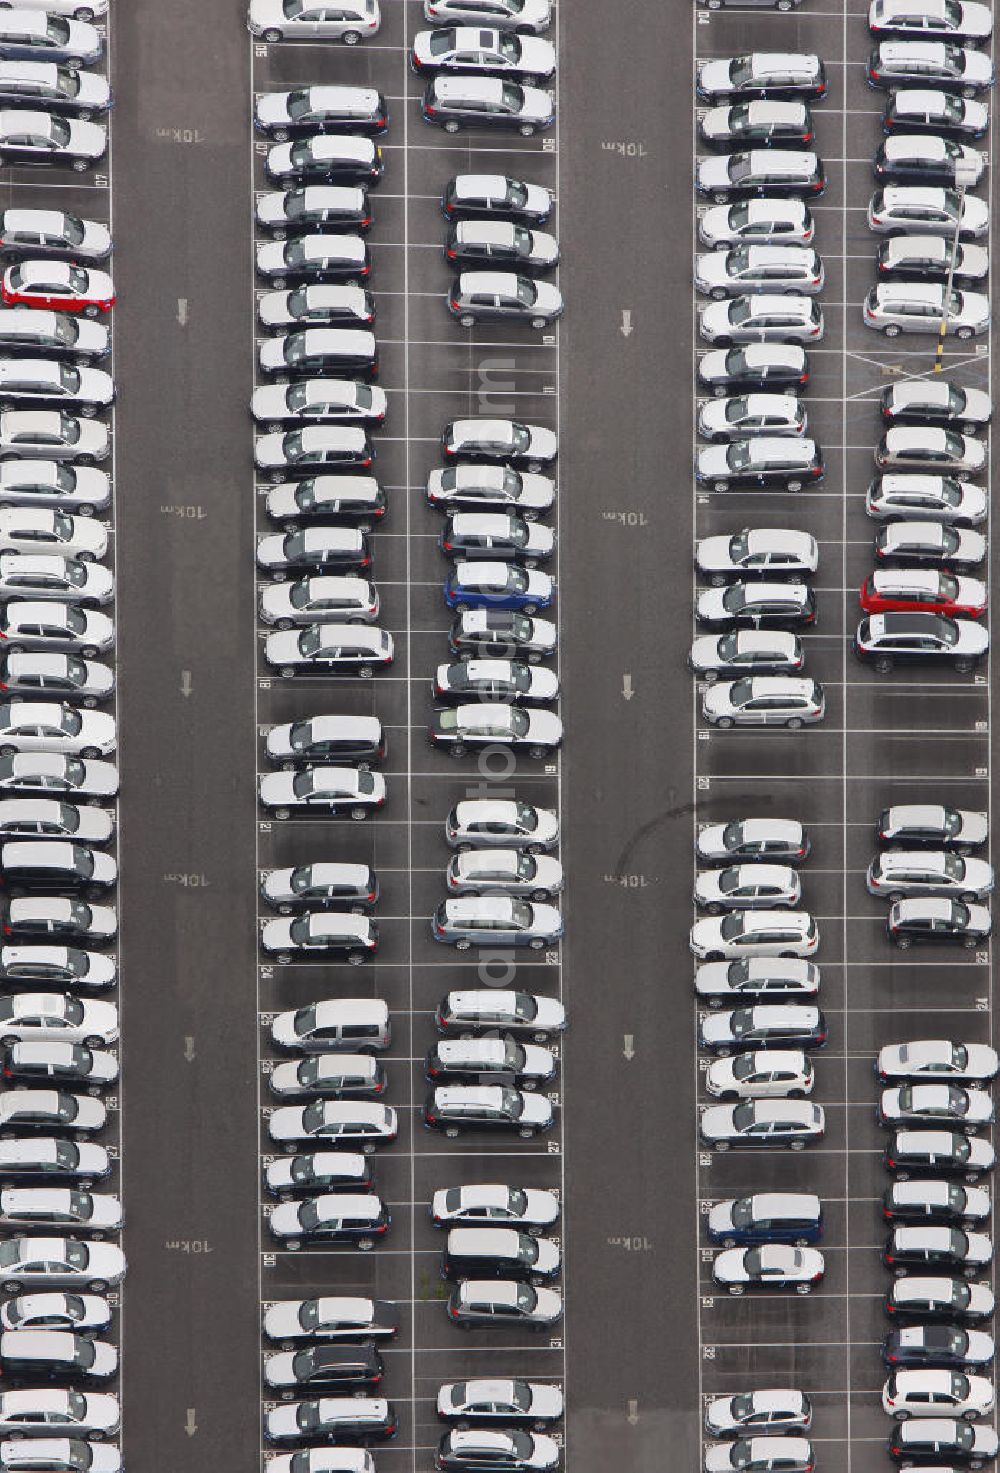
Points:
x=922, y=590
x=58, y=285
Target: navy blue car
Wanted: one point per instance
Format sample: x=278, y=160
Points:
x=489, y=585
x=766, y=1217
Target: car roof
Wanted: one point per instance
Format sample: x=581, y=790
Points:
x=480, y=89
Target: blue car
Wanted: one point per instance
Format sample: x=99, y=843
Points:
x=487, y=585
x=766, y=1217
x=27, y=35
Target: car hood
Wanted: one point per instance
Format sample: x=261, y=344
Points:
x=713, y=552
x=266, y=13
x=710, y=604
x=713, y=77
x=537, y=1110
x=272, y=309
x=91, y=140
x=271, y=258
x=717, y=1122
x=712, y=461
x=712, y=173
x=271, y=108
x=281, y=648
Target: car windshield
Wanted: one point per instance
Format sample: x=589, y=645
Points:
x=741, y=692
x=313, y=1116
x=740, y=71
x=512, y=97
x=744, y=1066
x=305, y=1022
x=527, y=1299
x=736, y=409
x=739, y=546
x=961, y=1294
x=743, y=1117
x=739, y=215
x=311, y=640
x=309, y=1217
x=731, y=927
x=524, y=1007
x=299, y=104
x=526, y=293
x=527, y=818
x=732, y=836
x=738, y=455
x=740, y=311
x=734, y=600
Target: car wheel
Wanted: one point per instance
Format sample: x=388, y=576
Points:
x=90, y=1042
x=272, y=35
x=89, y=651
x=796, y=1094
x=356, y=958
x=796, y=1145
x=794, y=723
x=896, y=896
x=90, y=702
x=803, y=1288
x=715, y=909
x=718, y=294
x=351, y=38
x=720, y=197
x=451, y=1132
x=451, y=126
x=284, y=910
x=903, y=942
x=283, y=958
x=86, y=511
x=538, y=753
x=719, y=391
x=963, y=667
x=729, y=1097
x=279, y=282
x=464, y=944
x=530, y=609
x=736, y=1288
x=458, y=749
x=92, y=753
x=971, y=1416
x=968, y=942
x=536, y=943
x=891, y=330
x=725, y=722
x=719, y=486
x=281, y=813
x=359, y=813
x=527, y=130
x=365, y=671
x=462, y=608
x=79, y=165
x=794, y=486
x=99, y=1286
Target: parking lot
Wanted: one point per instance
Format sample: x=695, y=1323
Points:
x=432, y=370
x=886, y=739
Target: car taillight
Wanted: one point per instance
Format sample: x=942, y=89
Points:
x=814, y=332
x=438, y=929
x=454, y=303
x=891, y=1162
x=445, y=543
x=451, y=254
x=367, y=220
x=430, y=112
x=365, y=271
x=807, y=138
x=431, y=1119
x=365, y=561
x=872, y=74
x=380, y=803
x=367, y=460
x=890, y=1258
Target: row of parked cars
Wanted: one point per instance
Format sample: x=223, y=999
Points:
x=497, y=1050
x=933, y=1099
x=60, y=1254
x=757, y=175
x=487, y=1067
